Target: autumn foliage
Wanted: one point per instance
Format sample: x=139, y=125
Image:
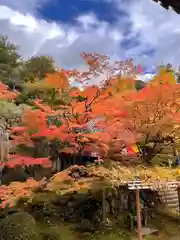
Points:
x=5, y=94
x=149, y=118
x=19, y=160
x=10, y=194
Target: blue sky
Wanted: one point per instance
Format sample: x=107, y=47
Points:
x=138, y=29
x=68, y=11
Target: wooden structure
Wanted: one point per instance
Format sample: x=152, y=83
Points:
x=175, y=4
x=168, y=192
x=170, y=195
x=137, y=185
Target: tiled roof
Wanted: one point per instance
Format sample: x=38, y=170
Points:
x=175, y=4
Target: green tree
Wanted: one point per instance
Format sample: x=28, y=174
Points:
x=43, y=90
x=37, y=68
x=10, y=60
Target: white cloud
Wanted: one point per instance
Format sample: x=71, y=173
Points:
x=25, y=6
x=87, y=21
x=145, y=77
x=27, y=31
x=156, y=28
x=153, y=28
x=63, y=42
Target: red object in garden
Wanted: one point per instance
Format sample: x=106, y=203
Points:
x=17, y=160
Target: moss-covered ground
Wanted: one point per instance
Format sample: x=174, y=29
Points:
x=57, y=230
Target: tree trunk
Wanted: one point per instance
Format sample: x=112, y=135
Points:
x=104, y=205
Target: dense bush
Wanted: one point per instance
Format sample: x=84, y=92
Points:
x=19, y=226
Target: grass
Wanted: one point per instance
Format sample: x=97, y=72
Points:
x=58, y=230
x=55, y=229
x=110, y=234
x=168, y=229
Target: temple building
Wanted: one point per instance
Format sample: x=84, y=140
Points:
x=175, y=4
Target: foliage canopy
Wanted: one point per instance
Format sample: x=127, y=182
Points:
x=55, y=118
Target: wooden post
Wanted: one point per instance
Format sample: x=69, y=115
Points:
x=137, y=185
x=138, y=214
x=170, y=163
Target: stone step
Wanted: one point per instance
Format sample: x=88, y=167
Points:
x=167, y=191
x=172, y=204
x=170, y=197
x=174, y=196
x=170, y=194
x=148, y=231
x=171, y=200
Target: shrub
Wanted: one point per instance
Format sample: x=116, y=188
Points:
x=19, y=226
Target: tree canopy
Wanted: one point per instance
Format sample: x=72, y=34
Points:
x=9, y=60
x=54, y=118
x=37, y=68
x=15, y=70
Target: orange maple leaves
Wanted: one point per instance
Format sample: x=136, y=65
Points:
x=124, y=115
x=34, y=120
x=59, y=80
x=9, y=195
x=91, y=103
x=5, y=94
x=154, y=112
x=19, y=160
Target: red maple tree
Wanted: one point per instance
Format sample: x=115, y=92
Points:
x=94, y=102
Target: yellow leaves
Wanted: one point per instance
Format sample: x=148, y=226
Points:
x=125, y=84
x=82, y=185
x=178, y=171
x=16, y=190
x=64, y=183
x=37, y=85
x=158, y=173
x=120, y=85
x=163, y=77
x=118, y=174
x=60, y=177
x=59, y=181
